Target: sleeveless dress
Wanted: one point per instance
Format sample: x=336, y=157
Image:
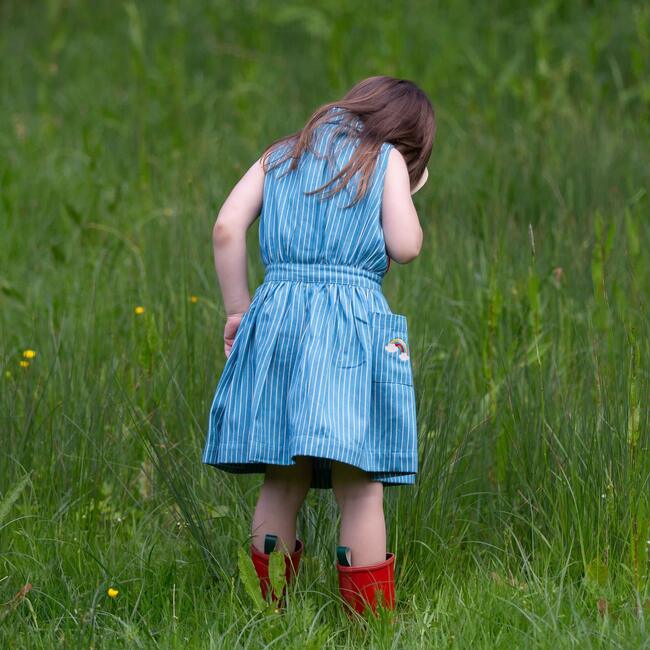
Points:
x=320, y=366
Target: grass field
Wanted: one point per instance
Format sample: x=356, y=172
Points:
x=123, y=125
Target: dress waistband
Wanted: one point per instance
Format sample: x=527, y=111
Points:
x=322, y=273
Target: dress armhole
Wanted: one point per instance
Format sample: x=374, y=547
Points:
x=276, y=153
x=382, y=163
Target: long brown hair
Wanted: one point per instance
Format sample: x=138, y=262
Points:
x=390, y=110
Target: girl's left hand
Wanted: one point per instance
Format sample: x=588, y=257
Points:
x=230, y=330
x=421, y=182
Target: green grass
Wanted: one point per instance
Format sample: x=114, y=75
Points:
x=124, y=125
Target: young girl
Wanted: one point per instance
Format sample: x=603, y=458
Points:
x=317, y=389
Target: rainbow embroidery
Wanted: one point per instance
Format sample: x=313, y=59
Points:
x=398, y=345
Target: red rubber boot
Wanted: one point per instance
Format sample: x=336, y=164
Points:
x=261, y=562
x=360, y=585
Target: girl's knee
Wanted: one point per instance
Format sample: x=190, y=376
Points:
x=289, y=484
x=352, y=485
x=366, y=497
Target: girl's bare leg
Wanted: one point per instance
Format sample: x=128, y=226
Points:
x=283, y=493
x=361, y=501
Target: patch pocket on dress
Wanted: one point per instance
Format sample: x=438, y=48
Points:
x=391, y=354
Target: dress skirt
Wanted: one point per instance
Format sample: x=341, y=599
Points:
x=319, y=367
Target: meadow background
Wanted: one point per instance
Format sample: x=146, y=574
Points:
x=123, y=125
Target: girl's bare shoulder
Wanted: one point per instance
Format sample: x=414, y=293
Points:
x=400, y=223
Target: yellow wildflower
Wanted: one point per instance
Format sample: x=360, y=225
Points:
x=24, y=363
x=29, y=354
x=112, y=593
x=194, y=298
x=139, y=310
x=8, y=374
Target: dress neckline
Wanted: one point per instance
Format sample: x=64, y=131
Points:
x=336, y=117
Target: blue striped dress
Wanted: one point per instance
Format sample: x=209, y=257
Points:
x=320, y=365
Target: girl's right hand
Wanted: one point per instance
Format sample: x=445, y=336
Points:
x=422, y=181
x=230, y=331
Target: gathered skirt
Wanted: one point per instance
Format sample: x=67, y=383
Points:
x=321, y=367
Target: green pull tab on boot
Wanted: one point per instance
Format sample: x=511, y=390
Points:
x=344, y=555
x=269, y=542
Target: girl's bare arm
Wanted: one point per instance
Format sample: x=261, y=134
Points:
x=402, y=232
x=236, y=215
